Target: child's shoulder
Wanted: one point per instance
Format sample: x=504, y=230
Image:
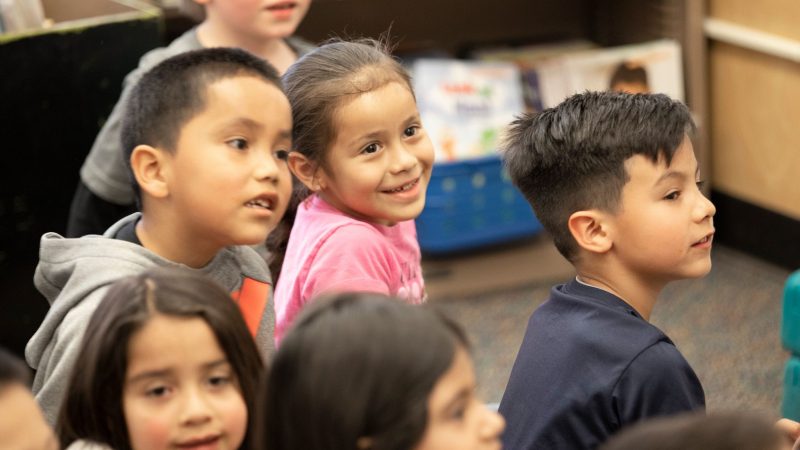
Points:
x=590, y=319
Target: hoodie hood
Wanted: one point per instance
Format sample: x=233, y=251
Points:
x=70, y=270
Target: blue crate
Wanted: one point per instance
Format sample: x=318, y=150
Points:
x=472, y=204
x=790, y=406
x=790, y=322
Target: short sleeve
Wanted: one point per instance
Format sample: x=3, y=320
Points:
x=658, y=382
x=353, y=258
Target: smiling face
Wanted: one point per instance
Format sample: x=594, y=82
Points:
x=378, y=166
x=228, y=180
x=179, y=390
x=259, y=19
x=664, y=227
x=456, y=418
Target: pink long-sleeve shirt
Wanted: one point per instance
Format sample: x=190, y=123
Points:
x=329, y=251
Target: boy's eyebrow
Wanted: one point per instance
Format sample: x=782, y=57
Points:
x=675, y=174
x=245, y=121
x=254, y=125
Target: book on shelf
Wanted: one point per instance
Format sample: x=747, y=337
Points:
x=466, y=105
x=20, y=15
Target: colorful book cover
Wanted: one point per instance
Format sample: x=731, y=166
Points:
x=466, y=105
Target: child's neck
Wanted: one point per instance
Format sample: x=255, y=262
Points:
x=158, y=235
x=276, y=50
x=640, y=294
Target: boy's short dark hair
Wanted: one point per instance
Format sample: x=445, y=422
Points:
x=170, y=94
x=572, y=157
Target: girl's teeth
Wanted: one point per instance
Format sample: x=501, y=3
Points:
x=404, y=187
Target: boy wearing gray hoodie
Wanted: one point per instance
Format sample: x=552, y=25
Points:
x=206, y=135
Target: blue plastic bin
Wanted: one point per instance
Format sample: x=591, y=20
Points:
x=472, y=204
x=790, y=323
x=790, y=406
x=790, y=337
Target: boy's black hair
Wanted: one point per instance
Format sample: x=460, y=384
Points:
x=572, y=157
x=627, y=73
x=173, y=92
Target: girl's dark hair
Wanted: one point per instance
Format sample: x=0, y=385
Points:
x=356, y=366
x=698, y=431
x=317, y=85
x=92, y=408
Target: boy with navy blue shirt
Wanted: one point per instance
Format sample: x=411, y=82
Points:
x=613, y=178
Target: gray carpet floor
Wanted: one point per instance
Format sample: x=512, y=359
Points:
x=726, y=324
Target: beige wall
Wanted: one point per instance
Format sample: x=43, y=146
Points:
x=755, y=109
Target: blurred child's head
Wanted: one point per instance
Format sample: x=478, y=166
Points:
x=250, y=20
x=358, y=138
x=614, y=173
x=365, y=371
x=22, y=424
x=630, y=78
x=206, y=134
x=167, y=360
x=698, y=431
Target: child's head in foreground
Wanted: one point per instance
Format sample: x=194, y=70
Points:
x=366, y=371
x=167, y=361
x=722, y=431
x=206, y=134
x=22, y=424
x=613, y=178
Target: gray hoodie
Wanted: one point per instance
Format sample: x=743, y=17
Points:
x=74, y=274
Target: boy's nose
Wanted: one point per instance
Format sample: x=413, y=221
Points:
x=266, y=166
x=705, y=209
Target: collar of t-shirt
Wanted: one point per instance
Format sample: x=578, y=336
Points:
x=128, y=233
x=578, y=287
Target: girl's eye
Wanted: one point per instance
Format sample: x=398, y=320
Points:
x=673, y=195
x=238, y=143
x=458, y=413
x=700, y=184
x=411, y=131
x=283, y=155
x=371, y=148
x=156, y=392
x=219, y=380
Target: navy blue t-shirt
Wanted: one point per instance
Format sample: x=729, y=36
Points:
x=588, y=365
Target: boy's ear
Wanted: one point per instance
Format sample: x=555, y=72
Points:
x=590, y=229
x=150, y=167
x=305, y=171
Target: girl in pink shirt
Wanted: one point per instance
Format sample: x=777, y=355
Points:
x=363, y=162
